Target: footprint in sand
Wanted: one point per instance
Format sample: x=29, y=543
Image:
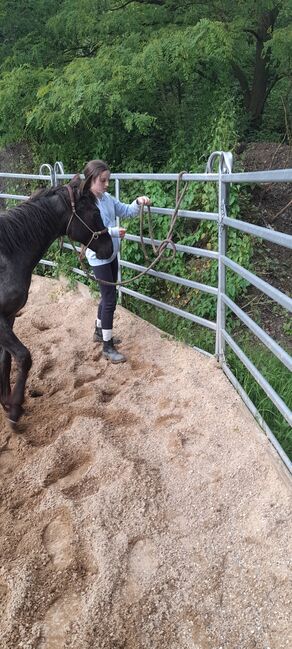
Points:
x=84, y=391
x=68, y=472
x=165, y=420
x=40, y=324
x=157, y=372
x=54, y=342
x=56, y=627
x=172, y=441
x=121, y=418
x=3, y=598
x=46, y=368
x=35, y=393
x=142, y=566
x=57, y=539
x=190, y=634
x=137, y=366
x=107, y=395
x=87, y=376
x=7, y=462
x=165, y=404
x=79, y=357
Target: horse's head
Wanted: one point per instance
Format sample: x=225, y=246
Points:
x=85, y=224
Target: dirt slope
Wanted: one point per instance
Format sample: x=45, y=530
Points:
x=141, y=507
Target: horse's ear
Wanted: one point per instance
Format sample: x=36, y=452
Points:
x=75, y=181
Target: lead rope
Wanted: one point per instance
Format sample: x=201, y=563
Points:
x=158, y=251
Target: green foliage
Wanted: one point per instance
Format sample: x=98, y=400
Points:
x=287, y=327
x=278, y=376
x=64, y=261
x=200, y=234
x=81, y=79
x=18, y=89
x=25, y=38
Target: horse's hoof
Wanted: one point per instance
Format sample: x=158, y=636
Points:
x=17, y=427
x=14, y=415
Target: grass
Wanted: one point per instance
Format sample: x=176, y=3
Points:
x=279, y=378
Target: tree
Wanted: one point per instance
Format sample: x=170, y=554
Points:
x=143, y=80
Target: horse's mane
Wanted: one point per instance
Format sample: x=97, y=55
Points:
x=25, y=224
x=43, y=192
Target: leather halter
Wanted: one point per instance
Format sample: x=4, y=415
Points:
x=94, y=234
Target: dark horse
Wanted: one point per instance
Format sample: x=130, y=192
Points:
x=26, y=232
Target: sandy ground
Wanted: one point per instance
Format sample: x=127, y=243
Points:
x=141, y=506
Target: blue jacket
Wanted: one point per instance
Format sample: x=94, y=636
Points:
x=110, y=210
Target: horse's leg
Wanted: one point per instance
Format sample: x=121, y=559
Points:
x=22, y=357
x=5, y=367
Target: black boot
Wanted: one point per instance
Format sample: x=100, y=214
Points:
x=97, y=336
x=111, y=353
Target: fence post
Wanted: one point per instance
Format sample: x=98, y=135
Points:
x=49, y=168
x=117, y=195
x=58, y=169
x=225, y=166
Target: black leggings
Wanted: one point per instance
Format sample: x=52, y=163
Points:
x=107, y=305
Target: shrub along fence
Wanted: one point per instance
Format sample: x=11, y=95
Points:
x=224, y=341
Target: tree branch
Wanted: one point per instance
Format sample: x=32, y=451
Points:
x=253, y=33
x=80, y=52
x=275, y=216
x=243, y=82
x=150, y=2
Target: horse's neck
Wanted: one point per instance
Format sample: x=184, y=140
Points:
x=43, y=227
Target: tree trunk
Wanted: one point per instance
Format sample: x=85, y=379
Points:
x=255, y=95
x=262, y=74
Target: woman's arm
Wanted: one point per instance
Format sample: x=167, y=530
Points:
x=126, y=211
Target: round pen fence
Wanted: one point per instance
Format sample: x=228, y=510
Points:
x=223, y=179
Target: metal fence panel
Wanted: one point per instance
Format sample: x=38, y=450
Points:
x=223, y=179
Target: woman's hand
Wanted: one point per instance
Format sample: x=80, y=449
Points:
x=116, y=231
x=143, y=200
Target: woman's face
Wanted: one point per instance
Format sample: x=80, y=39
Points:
x=100, y=184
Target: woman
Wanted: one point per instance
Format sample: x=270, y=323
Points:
x=97, y=175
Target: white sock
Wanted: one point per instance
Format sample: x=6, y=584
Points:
x=98, y=322
x=107, y=334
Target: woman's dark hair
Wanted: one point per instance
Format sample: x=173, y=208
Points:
x=93, y=169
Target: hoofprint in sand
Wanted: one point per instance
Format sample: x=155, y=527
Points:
x=141, y=505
